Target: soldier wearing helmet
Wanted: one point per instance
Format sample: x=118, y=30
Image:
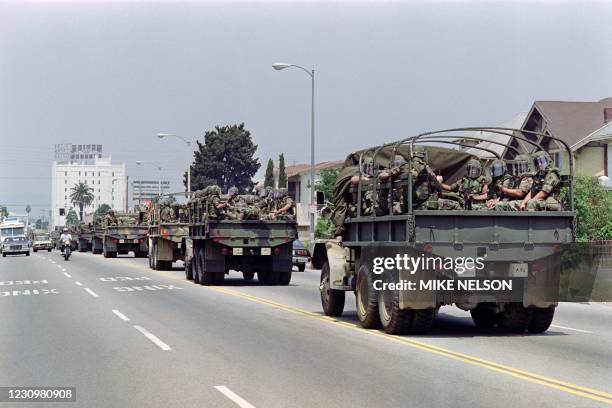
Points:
x=545, y=190
x=523, y=180
x=473, y=188
x=284, y=206
x=499, y=179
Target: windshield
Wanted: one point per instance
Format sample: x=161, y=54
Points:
x=42, y=238
x=12, y=232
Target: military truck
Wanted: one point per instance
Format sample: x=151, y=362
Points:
x=521, y=247
x=85, y=237
x=97, y=240
x=129, y=234
x=168, y=236
x=248, y=246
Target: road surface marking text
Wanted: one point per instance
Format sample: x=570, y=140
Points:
x=123, y=278
x=24, y=282
x=29, y=292
x=153, y=338
x=145, y=288
x=233, y=396
x=121, y=315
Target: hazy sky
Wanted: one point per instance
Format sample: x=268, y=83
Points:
x=117, y=73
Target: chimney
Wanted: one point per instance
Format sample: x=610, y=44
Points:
x=607, y=115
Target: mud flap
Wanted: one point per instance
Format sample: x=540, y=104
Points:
x=336, y=257
x=541, y=287
x=416, y=299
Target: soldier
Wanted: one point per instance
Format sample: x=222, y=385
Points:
x=544, y=194
x=500, y=179
x=367, y=199
x=472, y=187
x=284, y=206
x=231, y=210
x=522, y=186
x=110, y=219
x=214, y=206
x=165, y=213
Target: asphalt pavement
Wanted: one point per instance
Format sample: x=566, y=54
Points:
x=126, y=336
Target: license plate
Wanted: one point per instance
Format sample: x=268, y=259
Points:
x=519, y=270
x=122, y=241
x=237, y=251
x=301, y=260
x=266, y=251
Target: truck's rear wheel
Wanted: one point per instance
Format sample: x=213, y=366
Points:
x=301, y=267
x=332, y=300
x=541, y=319
x=284, y=278
x=188, y=271
x=484, y=316
x=248, y=276
x=367, y=299
x=422, y=320
x=35, y=250
x=515, y=317
x=267, y=277
x=195, y=264
x=392, y=318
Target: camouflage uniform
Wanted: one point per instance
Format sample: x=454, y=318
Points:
x=524, y=184
x=547, y=179
x=109, y=219
x=282, y=199
x=471, y=184
x=211, y=196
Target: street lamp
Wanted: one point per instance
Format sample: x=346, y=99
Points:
x=140, y=162
x=280, y=66
x=188, y=143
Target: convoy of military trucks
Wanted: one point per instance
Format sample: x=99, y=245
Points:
x=390, y=205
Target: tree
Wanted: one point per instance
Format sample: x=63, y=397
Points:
x=282, y=174
x=593, y=207
x=225, y=159
x=72, y=218
x=102, y=210
x=3, y=212
x=326, y=182
x=81, y=196
x=269, y=178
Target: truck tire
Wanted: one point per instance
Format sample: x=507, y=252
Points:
x=49, y=250
x=248, y=276
x=392, y=318
x=35, y=250
x=267, y=277
x=219, y=278
x=332, y=300
x=301, y=267
x=195, y=265
x=188, y=271
x=541, y=319
x=207, y=278
x=515, y=318
x=422, y=320
x=484, y=316
x=366, y=299
x=284, y=278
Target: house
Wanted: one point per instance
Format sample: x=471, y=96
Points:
x=298, y=186
x=584, y=126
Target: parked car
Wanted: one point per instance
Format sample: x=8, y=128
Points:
x=42, y=242
x=15, y=246
x=301, y=255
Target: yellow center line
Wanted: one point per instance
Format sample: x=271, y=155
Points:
x=567, y=387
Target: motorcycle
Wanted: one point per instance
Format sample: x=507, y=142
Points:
x=67, y=249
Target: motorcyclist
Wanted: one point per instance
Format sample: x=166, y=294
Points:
x=65, y=237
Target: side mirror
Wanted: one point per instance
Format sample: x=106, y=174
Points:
x=320, y=198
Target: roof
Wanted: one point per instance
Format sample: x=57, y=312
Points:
x=601, y=134
x=572, y=121
x=296, y=169
x=514, y=123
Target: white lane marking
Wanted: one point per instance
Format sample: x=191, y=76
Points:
x=67, y=274
x=78, y=283
x=91, y=292
x=59, y=266
x=153, y=338
x=570, y=328
x=233, y=396
x=121, y=315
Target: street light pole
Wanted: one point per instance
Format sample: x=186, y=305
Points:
x=279, y=66
x=188, y=143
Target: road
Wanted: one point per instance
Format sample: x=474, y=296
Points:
x=127, y=336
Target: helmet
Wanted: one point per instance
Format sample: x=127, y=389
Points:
x=521, y=164
x=420, y=152
x=498, y=168
x=541, y=160
x=267, y=192
x=399, y=160
x=473, y=169
x=65, y=230
x=283, y=191
x=232, y=191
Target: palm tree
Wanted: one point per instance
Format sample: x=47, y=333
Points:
x=82, y=195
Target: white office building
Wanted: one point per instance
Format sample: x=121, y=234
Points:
x=107, y=180
x=149, y=189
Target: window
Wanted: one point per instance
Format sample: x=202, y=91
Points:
x=98, y=181
x=65, y=174
x=98, y=198
x=558, y=157
x=98, y=174
x=65, y=181
x=113, y=174
x=79, y=174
